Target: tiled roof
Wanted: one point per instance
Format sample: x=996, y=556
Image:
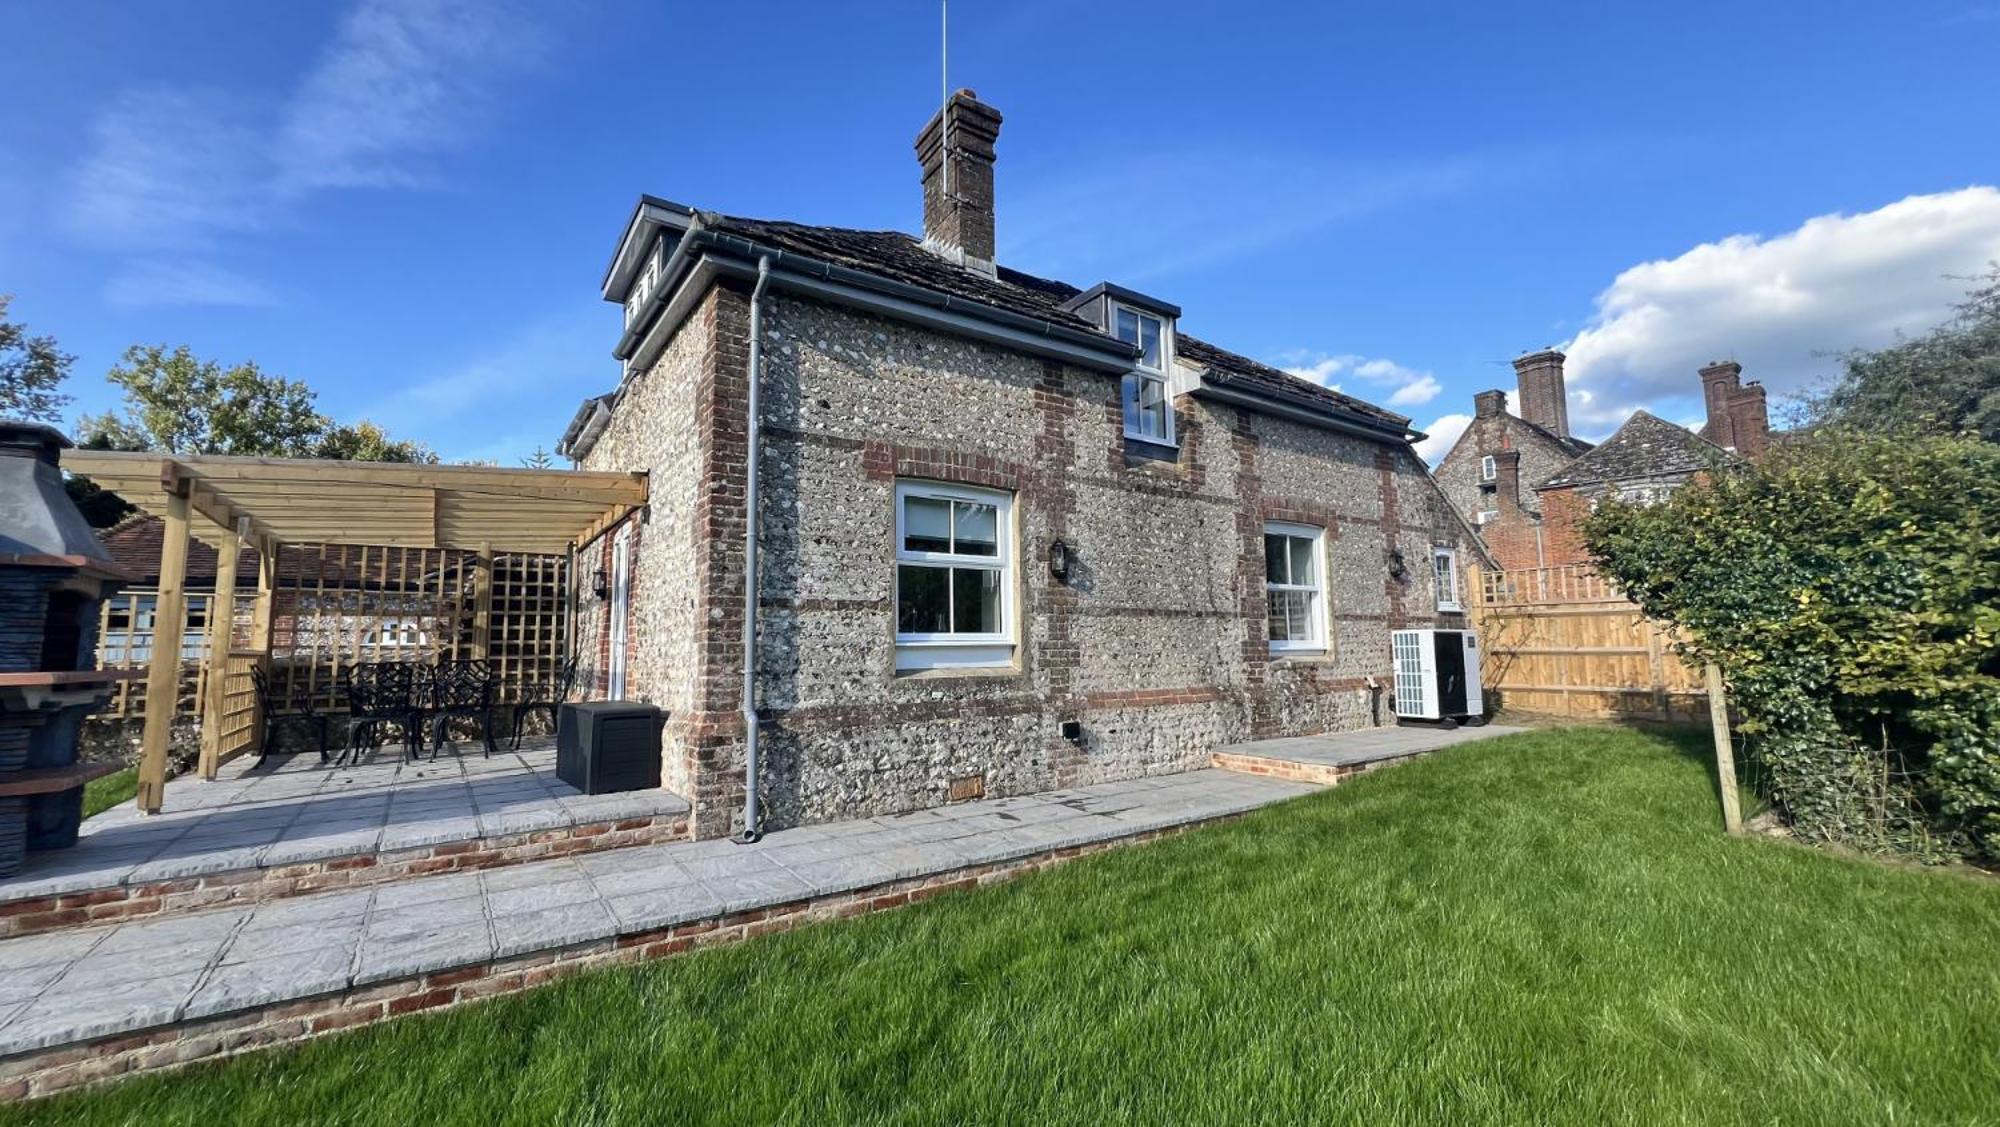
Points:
x=903, y=258
x=1576, y=446
x=1647, y=446
x=134, y=545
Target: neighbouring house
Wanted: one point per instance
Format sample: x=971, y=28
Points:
x=1527, y=485
x=1489, y=472
x=1012, y=534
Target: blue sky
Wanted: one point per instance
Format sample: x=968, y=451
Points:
x=408, y=203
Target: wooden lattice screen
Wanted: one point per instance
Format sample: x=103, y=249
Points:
x=339, y=605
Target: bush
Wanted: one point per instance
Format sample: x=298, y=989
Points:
x=1849, y=588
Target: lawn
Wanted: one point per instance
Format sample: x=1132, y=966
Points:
x=1548, y=927
x=101, y=794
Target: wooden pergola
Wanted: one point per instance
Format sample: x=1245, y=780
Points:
x=231, y=502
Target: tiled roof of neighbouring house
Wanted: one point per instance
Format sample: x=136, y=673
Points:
x=1647, y=446
x=134, y=545
x=1576, y=446
x=903, y=258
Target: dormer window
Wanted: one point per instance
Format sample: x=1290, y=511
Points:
x=1149, y=415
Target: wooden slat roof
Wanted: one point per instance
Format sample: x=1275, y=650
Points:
x=302, y=500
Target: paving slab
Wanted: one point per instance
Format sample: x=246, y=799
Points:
x=75, y=985
x=293, y=809
x=1370, y=745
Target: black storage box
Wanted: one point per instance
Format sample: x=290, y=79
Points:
x=606, y=746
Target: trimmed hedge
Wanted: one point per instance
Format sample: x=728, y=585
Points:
x=1849, y=587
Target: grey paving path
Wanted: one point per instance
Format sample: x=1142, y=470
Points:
x=293, y=809
x=74, y=985
x=1370, y=745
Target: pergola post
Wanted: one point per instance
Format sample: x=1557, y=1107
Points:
x=482, y=604
x=163, y=670
x=215, y=661
x=264, y=613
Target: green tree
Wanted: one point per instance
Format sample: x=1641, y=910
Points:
x=32, y=369
x=1944, y=382
x=539, y=460
x=366, y=442
x=181, y=404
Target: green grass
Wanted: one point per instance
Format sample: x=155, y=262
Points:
x=1545, y=928
x=103, y=793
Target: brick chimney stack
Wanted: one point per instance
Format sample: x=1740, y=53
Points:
x=1507, y=481
x=1721, y=383
x=1489, y=404
x=956, y=151
x=1544, y=400
x=1750, y=420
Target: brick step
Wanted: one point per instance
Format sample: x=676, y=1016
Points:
x=180, y=885
x=1295, y=771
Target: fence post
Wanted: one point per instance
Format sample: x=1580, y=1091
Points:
x=1725, y=755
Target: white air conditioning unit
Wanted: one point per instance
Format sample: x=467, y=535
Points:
x=1437, y=675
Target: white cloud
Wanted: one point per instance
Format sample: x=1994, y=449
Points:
x=497, y=400
x=1440, y=435
x=172, y=169
x=1779, y=305
x=1407, y=387
x=1138, y=216
x=402, y=80
x=147, y=283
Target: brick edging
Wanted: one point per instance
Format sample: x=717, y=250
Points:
x=49, y=1071
x=178, y=895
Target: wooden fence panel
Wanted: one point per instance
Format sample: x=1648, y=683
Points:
x=1562, y=641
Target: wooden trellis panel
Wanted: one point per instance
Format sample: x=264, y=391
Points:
x=338, y=605
x=1563, y=642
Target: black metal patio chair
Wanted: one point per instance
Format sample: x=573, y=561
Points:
x=313, y=722
x=546, y=695
x=381, y=699
x=454, y=689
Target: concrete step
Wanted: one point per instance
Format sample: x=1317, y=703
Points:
x=1325, y=760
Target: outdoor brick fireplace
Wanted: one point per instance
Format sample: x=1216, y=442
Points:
x=53, y=573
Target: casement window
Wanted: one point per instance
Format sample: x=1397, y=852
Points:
x=1444, y=562
x=1295, y=586
x=954, y=576
x=1489, y=470
x=1149, y=414
x=1486, y=516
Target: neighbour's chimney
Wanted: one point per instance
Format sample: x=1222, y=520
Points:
x=956, y=151
x=1750, y=420
x=1488, y=404
x=1720, y=384
x=1507, y=480
x=1544, y=401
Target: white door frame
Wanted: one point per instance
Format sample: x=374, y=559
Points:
x=621, y=607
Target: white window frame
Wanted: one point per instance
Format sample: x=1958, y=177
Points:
x=1489, y=468
x=972, y=650
x=1485, y=517
x=1319, y=618
x=1129, y=387
x=1449, y=557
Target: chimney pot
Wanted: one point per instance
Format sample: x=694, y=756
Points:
x=1544, y=399
x=956, y=151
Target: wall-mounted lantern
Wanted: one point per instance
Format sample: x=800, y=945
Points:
x=1398, y=570
x=601, y=584
x=1059, y=560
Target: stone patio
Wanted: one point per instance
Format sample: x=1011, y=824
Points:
x=81, y=984
x=294, y=809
